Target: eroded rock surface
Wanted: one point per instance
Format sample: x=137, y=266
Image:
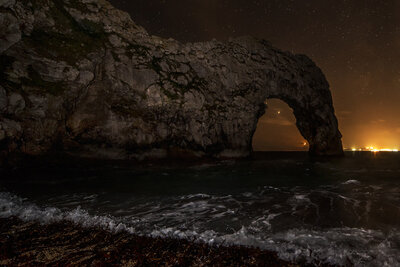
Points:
x=80, y=75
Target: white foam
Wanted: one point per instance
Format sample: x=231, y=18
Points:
x=12, y=206
x=351, y=182
x=195, y=196
x=338, y=246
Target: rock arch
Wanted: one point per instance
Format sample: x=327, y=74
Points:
x=308, y=94
x=104, y=86
x=294, y=79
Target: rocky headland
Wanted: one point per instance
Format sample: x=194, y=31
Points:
x=80, y=76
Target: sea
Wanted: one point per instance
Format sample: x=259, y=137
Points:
x=341, y=211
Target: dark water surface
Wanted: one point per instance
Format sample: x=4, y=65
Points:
x=343, y=210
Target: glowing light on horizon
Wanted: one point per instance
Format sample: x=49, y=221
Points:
x=389, y=150
x=374, y=149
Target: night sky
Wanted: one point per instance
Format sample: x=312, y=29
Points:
x=355, y=42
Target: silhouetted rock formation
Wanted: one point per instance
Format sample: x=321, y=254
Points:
x=80, y=75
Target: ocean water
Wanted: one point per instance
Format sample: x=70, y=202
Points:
x=343, y=211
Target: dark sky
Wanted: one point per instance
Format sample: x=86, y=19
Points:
x=355, y=42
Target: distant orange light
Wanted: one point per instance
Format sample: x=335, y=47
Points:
x=373, y=149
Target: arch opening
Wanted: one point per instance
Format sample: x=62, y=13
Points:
x=277, y=130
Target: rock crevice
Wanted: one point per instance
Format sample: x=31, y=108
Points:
x=80, y=75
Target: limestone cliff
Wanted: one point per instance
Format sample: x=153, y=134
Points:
x=81, y=76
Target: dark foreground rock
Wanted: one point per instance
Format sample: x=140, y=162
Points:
x=65, y=244
x=82, y=77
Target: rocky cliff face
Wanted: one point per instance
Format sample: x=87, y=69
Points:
x=81, y=76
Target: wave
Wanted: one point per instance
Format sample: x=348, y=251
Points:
x=351, y=182
x=13, y=206
x=338, y=246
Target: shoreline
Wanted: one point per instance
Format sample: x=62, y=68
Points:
x=63, y=243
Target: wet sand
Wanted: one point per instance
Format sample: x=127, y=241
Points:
x=66, y=244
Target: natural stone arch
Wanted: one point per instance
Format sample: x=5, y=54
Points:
x=104, y=87
x=294, y=79
x=309, y=97
x=313, y=108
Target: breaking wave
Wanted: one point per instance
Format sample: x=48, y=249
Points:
x=13, y=206
x=338, y=245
